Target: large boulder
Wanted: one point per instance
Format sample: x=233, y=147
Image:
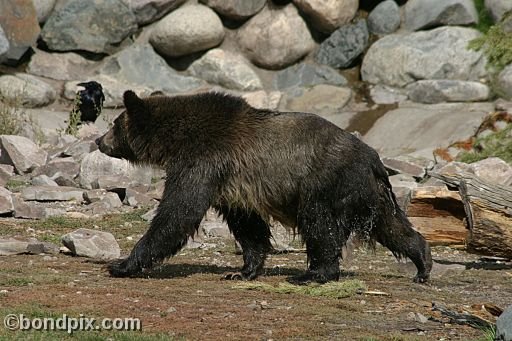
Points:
x=498, y=8
x=320, y=99
x=505, y=82
x=327, y=16
x=26, y=90
x=235, y=9
x=4, y=45
x=344, y=45
x=148, y=11
x=18, y=19
x=43, y=9
x=276, y=37
x=21, y=152
x=95, y=26
x=384, y=18
x=422, y=128
x=6, y=206
x=504, y=325
x=431, y=13
x=442, y=53
x=493, y=170
x=60, y=66
x=303, y=75
x=188, y=29
x=226, y=69
x=444, y=90
x=140, y=65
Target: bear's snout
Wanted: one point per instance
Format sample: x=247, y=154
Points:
x=98, y=140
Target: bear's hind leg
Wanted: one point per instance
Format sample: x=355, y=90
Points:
x=253, y=234
x=402, y=240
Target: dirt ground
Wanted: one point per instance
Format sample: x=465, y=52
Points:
x=185, y=298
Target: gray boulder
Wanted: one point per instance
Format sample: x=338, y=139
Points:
x=43, y=9
x=78, y=24
x=504, y=325
x=13, y=246
x=6, y=206
x=52, y=193
x=92, y=243
x=226, y=69
x=140, y=65
x=384, y=18
x=4, y=45
x=66, y=165
x=26, y=90
x=505, y=82
x=436, y=91
x=306, y=75
x=327, y=16
x=21, y=152
x=344, y=45
x=148, y=11
x=33, y=209
x=320, y=99
x=6, y=172
x=18, y=20
x=43, y=180
x=498, y=8
x=235, y=9
x=60, y=66
x=493, y=170
x=423, y=128
x=275, y=37
x=421, y=14
x=441, y=53
x=188, y=29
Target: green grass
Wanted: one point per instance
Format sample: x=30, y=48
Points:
x=16, y=185
x=498, y=144
x=484, y=17
x=337, y=290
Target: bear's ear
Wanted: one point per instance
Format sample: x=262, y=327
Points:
x=132, y=102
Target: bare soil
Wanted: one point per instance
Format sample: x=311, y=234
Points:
x=186, y=298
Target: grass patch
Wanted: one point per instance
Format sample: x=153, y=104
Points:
x=15, y=185
x=16, y=282
x=337, y=290
x=13, y=118
x=484, y=17
x=498, y=144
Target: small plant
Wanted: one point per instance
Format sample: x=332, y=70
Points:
x=13, y=118
x=74, y=117
x=484, y=17
x=497, y=144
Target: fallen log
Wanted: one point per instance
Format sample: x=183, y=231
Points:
x=488, y=210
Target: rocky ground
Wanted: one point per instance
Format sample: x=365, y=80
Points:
x=185, y=298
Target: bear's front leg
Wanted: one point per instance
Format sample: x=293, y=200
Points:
x=183, y=205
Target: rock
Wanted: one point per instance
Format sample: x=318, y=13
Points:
x=321, y=100
x=445, y=90
x=6, y=172
x=92, y=243
x=4, y=45
x=148, y=11
x=140, y=65
x=505, y=82
x=188, y=29
x=276, y=37
x=384, y=18
x=94, y=195
x=6, y=206
x=344, y=45
x=441, y=53
x=421, y=14
x=12, y=246
x=36, y=247
x=504, y=325
x=498, y=8
x=64, y=166
x=403, y=164
x=149, y=215
x=414, y=127
x=235, y=9
x=383, y=94
x=60, y=66
x=79, y=149
x=225, y=69
x=26, y=90
x=97, y=164
x=94, y=26
x=43, y=180
x=263, y=100
x=18, y=20
x=213, y=226
x=304, y=75
x=136, y=199
x=64, y=180
x=112, y=200
x=327, y=16
x=33, y=210
x=20, y=152
x=51, y=193
x=43, y=9
x=493, y=170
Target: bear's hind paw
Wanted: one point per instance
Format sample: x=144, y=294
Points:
x=234, y=276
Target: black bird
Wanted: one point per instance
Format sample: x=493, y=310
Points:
x=90, y=101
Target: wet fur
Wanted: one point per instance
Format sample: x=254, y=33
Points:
x=252, y=164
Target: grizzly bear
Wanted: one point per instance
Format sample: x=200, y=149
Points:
x=252, y=164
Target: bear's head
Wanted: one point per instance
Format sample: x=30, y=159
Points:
x=121, y=140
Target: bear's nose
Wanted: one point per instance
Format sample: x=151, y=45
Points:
x=98, y=141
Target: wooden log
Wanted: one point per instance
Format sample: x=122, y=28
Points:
x=488, y=210
x=438, y=214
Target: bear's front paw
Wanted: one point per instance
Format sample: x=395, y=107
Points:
x=123, y=268
x=421, y=278
x=234, y=276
